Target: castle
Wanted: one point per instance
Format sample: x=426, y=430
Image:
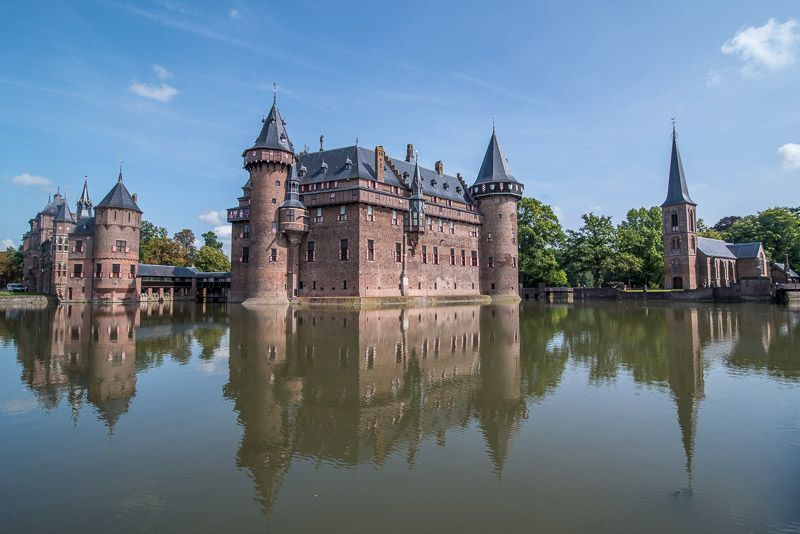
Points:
x=85, y=256
x=691, y=261
x=353, y=222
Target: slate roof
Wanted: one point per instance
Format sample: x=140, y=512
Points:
x=791, y=273
x=63, y=214
x=745, y=250
x=119, y=197
x=677, y=192
x=715, y=248
x=495, y=165
x=363, y=166
x=293, y=198
x=85, y=226
x=51, y=208
x=273, y=133
x=169, y=271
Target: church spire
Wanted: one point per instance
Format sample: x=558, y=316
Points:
x=677, y=192
x=273, y=134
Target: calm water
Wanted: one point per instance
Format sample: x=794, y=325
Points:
x=469, y=418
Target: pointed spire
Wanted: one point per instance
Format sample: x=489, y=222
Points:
x=274, y=94
x=84, y=204
x=677, y=191
x=273, y=134
x=416, y=180
x=119, y=179
x=495, y=170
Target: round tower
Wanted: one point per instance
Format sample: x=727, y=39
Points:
x=115, y=250
x=260, y=273
x=496, y=193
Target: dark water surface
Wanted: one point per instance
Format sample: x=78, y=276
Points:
x=452, y=419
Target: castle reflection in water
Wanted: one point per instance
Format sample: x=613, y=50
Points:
x=361, y=386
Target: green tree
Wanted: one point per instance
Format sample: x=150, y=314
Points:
x=211, y=259
x=210, y=240
x=779, y=230
x=539, y=237
x=640, y=247
x=10, y=266
x=163, y=251
x=725, y=223
x=590, y=250
x=711, y=233
x=148, y=233
x=187, y=239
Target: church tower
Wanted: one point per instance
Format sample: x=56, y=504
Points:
x=679, y=213
x=497, y=192
x=259, y=272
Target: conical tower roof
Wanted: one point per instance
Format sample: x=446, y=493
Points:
x=63, y=214
x=84, y=202
x=119, y=197
x=495, y=165
x=273, y=134
x=677, y=192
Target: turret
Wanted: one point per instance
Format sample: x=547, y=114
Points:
x=118, y=220
x=415, y=219
x=679, y=213
x=84, y=204
x=259, y=272
x=497, y=192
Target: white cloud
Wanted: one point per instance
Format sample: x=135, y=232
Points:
x=771, y=45
x=234, y=14
x=33, y=180
x=162, y=72
x=162, y=93
x=224, y=233
x=790, y=154
x=214, y=218
x=713, y=78
x=6, y=244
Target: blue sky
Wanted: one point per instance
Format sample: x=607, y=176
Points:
x=583, y=93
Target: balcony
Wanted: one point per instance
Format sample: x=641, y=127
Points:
x=300, y=224
x=238, y=214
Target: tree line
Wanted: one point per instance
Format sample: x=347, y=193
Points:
x=156, y=247
x=600, y=253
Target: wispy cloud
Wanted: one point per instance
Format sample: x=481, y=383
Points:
x=162, y=92
x=234, y=14
x=33, y=180
x=770, y=46
x=790, y=156
x=224, y=233
x=162, y=72
x=212, y=217
x=6, y=244
x=499, y=89
x=713, y=78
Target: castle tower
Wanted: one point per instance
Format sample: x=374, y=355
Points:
x=84, y=205
x=63, y=225
x=116, y=245
x=294, y=226
x=679, y=213
x=259, y=273
x=497, y=192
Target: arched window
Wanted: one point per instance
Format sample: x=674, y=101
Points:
x=674, y=221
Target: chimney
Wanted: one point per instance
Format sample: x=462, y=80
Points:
x=379, y=157
x=409, y=152
x=439, y=167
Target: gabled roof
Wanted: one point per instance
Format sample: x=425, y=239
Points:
x=781, y=267
x=495, y=164
x=362, y=165
x=168, y=271
x=119, y=198
x=677, y=192
x=273, y=133
x=51, y=208
x=714, y=248
x=745, y=250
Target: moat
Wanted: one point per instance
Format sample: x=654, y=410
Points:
x=469, y=418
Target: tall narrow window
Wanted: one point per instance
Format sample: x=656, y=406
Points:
x=674, y=221
x=398, y=252
x=342, y=212
x=452, y=256
x=318, y=217
x=474, y=258
x=370, y=214
x=441, y=225
x=245, y=254
x=491, y=261
x=394, y=217
x=344, y=249
x=115, y=270
x=246, y=231
x=436, y=255
x=273, y=255
x=424, y=254
x=370, y=250
x=311, y=251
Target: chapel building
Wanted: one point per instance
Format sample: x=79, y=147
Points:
x=355, y=222
x=691, y=261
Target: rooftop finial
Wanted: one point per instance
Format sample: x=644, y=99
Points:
x=674, y=133
x=321, y=142
x=493, y=118
x=119, y=179
x=274, y=93
x=356, y=140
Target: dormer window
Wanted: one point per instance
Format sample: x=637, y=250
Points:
x=433, y=182
x=446, y=186
x=348, y=164
x=458, y=189
x=324, y=167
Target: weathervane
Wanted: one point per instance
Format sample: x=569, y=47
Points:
x=274, y=93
